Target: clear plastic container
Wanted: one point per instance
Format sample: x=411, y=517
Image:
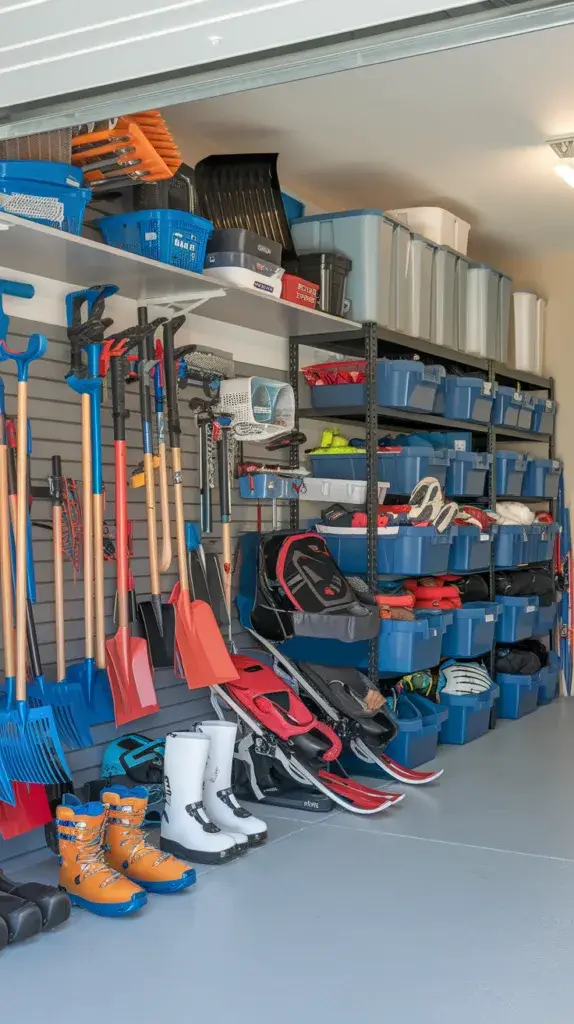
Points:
x=441, y=226
x=420, y=274
x=444, y=327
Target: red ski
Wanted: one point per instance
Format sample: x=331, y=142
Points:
x=408, y=775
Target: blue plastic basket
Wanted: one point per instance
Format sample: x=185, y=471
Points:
x=545, y=619
x=468, y=715
x=470, y=549
x=42, y=171
x=518, y=695
x=401, y=551
x=471, y=632
x=516, y=619
x=466, y=474
x=548, y=679
x=35, y=201
x=464, y=398
x=170, y=236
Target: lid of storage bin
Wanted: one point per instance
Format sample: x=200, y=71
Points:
x=338, y=216
x=553, y=465
x=480, y=459
x=241, y=240
x=548, y=403
x=336, y=260
x=418, y=451
x=505, y=389
x=510, y=453
x=422, y=238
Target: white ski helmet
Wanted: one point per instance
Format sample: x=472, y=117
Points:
x=462, y=677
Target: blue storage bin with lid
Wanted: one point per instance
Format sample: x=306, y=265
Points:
x=518, y=694
x=511, y=546
x=169, y=236
x=468, y=715
x=404, y=469
x=294, y=208
x=401, y=550
x=340, y=467
x=44, y=171
x=464, y=398
x=46, y=202
x=545, y=619
x=470, y=549
x=507, y=406
x=408, y=646
x=542, y=478
x=466, y=474
x=541, y=541
x=543, y=416
x=471, y=632
x=419, y=722
x=407, y=384
x=526, y=413
x=516, y=618
x=403, y=646
x=548, y=679
x=338, y=396
x=510, y=470
x=269, y=485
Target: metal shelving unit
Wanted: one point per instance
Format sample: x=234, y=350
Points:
x=372, y=342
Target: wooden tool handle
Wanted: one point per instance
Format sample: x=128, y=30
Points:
x=55, y=484
x=166, y=552
x=88, y=528
x=21, y=539
x=5, y=566
x=179, y=519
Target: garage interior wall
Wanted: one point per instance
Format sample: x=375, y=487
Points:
x=55, y=416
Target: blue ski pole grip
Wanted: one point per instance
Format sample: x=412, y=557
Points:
x=18, y=290
x=36, y=348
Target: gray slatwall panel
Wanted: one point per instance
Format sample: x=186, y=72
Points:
x=55, y=416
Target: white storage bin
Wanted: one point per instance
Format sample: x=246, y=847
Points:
x=248, y=279
x=366, y=237
x=400, y=303
x=352, y=492
x=439, y=225
x=444, y=326
x=420, y=274
x=529, y=322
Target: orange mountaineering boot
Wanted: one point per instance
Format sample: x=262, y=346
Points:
x=84, y=874
x=127, y=849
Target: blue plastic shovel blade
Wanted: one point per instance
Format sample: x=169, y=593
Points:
x=96, y=692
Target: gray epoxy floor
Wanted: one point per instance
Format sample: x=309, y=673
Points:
x=456, y=907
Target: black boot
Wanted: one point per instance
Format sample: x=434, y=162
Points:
x=53, y=904
x=22, y=918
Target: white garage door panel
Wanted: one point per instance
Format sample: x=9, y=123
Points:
x=53, y=47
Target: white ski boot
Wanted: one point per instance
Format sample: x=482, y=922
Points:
x=220, y=802
x=186, y=829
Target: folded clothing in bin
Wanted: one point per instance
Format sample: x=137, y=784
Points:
x=434, y=593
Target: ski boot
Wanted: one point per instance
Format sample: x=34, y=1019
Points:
x=21, y=918
x=186, y=829
x=84, y=874
x=53, y=904
x=218, y=797
x=127, y=849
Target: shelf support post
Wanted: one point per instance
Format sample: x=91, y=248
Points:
x=294, y=449
x=372, y=424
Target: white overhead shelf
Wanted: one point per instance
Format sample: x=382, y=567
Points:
x=30, y=248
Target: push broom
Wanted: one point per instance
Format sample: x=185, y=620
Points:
x=200, y=650
x=29, y=742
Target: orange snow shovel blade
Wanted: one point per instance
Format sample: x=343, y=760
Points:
x=199, y=644
x=130, y=675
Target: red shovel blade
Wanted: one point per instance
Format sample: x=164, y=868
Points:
x=32, y=811
x=201, y=650
x=131, y=677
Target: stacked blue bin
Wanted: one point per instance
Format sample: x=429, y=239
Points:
x=464, y=398
x=401, y=550
x=516, y=618
x=466, y=474
x=407, y=384
x=468, y=715
x=401, y=470
x=542, y=478
x=543, y=416
x=470, y=549
x=526, y=413
x=511, y=546
x=510, y=470
x=507, y=406
x=406, y=647
x=541, y=540
x=471, y=632
x=269, y=485
x=419, y=722
x=518, y=694
x=545, y=619
x=548, y=679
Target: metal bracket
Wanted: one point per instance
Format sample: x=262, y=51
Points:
x=186, y=303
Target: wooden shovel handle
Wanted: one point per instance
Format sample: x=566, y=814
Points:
x=21, y=539
x=5, y=566
x=58, y=567
x=166, y=552
x=179, y=519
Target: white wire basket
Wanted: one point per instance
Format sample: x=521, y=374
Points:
x=259, y=408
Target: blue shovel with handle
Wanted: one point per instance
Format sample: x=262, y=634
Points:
x=29, y=740
x=87, y=334
x=6, y=790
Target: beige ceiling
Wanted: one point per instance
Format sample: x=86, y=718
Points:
x=463, y=128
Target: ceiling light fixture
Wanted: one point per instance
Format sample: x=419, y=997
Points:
x=565, y=170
